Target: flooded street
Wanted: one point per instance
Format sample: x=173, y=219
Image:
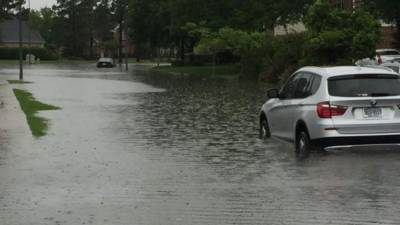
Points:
x=146, y=148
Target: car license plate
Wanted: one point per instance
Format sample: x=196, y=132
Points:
x=373, y=112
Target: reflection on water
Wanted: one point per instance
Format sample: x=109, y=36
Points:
x=146, y=148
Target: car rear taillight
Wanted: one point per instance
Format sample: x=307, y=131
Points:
x=326, y=110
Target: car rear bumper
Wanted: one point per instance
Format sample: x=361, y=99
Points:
x=357, y=140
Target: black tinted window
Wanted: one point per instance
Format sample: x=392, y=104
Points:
x=288, y=91
x=364, y=85
x=315, y=84
x=303, y=87
x=307, y=85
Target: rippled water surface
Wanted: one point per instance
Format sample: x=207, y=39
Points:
x=146, y=148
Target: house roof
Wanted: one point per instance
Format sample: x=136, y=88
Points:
x=9, y=33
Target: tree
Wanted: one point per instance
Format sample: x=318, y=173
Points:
x=166, y=21
x=43, y=20
x=8, y=7
x=242, y=44
x=74, y=19
x=340, y=36
x=120, y=10
x=388, y=10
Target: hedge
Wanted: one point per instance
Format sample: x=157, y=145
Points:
x=11, y=53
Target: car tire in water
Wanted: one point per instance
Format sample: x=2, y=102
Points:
x=264, y=128
x=303, y=144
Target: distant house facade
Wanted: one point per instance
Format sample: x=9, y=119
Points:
x=388, y=30
x=126, y=42
x=345, y=4
x=9, y=35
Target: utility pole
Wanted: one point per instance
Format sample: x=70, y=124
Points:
x=30, y=34
x=126, y=40
x=120, y=47
x=21, y=66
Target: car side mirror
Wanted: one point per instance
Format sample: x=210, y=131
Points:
x=273, y=93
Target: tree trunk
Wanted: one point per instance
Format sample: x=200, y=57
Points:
x=182, y=51
x=91, y=47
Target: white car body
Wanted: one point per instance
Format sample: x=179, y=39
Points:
x=354, y=122
x=386, y=55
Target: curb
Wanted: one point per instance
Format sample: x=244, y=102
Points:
x=12, y=119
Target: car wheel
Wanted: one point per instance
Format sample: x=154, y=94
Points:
x=303, y=145
x=264, y=128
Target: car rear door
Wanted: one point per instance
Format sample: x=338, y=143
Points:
x=278, y=115
x=295, y=106
x=372, y=103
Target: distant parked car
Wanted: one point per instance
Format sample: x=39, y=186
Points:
x=382, y=56
x=395, y=66
x=388, y=52
x=105, y=63
x=335, y=106
x=390, y=66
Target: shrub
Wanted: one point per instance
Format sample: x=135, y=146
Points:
x=11, y=53
x=282, y=56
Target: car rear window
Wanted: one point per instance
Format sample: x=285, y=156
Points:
x=375, y=85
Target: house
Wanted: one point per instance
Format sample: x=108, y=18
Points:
x=289, y=29
x=345, y=4
x=388, y=30
x=126, y=42
x=9, y=34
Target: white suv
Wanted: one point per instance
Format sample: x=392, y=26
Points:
x=335, y=106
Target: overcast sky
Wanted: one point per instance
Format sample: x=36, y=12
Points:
x=37, y=4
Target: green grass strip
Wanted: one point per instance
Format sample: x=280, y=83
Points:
x=19, y=82
x=30, y=106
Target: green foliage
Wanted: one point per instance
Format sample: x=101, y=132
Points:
x=7, y=6
x=285, y=54
x=388, y=10
x=30, y=106
x=169, y=23
x=221, y=71
x=13, y=53
x=245, y=45
x=44, y=20
x=77, y=23
x=19, y=82
x=230, y=39
x=337, y=36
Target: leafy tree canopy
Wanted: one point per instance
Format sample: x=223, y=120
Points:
x=340, y=36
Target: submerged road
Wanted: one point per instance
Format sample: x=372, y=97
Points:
x=144, y=148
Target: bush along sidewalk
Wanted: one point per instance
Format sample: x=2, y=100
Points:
x=30, y=106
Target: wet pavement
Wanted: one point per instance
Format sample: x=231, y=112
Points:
x=144, y=148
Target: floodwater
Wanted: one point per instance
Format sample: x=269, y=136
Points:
x=144, y=148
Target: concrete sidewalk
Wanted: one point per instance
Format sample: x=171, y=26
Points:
x=12, y=119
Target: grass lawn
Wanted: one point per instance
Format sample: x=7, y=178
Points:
x=31, y=106
x=19, y=82
x=224, y=71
